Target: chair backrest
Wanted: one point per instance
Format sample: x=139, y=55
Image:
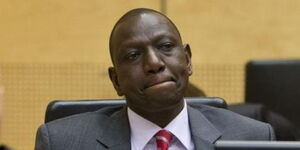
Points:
x=63, y=108
x=284, y=129
x=276, y=84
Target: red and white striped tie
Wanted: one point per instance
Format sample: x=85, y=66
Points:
x=163, y=138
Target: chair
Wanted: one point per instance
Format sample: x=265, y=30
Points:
x=275, y=84
x=284, y=129
x=63, y=108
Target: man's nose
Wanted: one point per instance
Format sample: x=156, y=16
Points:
x=153, y=62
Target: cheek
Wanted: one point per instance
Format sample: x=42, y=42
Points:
x=129, y=77
x=179, y=65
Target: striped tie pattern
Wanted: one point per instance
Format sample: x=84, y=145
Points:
x=163, y=138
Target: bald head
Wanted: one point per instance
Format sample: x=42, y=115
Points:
x=133, y=17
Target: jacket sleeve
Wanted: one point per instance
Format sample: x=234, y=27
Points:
x=42, y=141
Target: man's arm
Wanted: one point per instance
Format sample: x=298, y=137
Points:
x=42, y=141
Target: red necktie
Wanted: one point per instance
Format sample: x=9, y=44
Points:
x=163, y=138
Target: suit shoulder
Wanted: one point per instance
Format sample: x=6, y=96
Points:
x=103, y=113
x=224, y=115
x=82, y=122
x=75, y=132
x=236, y=126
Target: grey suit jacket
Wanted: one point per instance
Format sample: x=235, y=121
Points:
x=108, y=128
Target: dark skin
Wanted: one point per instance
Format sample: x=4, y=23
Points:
x=151, y=66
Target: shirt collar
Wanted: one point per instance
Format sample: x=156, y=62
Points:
x=142, y=130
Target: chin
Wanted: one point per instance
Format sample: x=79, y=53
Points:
x=166, y=100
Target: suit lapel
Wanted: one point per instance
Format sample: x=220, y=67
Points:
x=116, y=132
x=204, y=133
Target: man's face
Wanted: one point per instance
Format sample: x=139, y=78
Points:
x=151, y=66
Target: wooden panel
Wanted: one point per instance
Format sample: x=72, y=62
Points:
x=60, y=31
x=234, y=31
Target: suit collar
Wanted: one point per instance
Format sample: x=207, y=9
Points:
x=115, y=134
x=116, y=131
x=203, y=131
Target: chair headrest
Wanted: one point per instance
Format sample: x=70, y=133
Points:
x=63, y=108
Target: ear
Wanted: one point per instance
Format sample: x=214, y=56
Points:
x=114, y=79
x=188, y=55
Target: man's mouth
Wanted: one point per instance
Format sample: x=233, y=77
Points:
x=159, y=83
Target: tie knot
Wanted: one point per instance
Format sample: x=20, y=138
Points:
x=163, y=138
x=164, y=135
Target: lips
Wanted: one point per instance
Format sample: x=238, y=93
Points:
x=158, y=81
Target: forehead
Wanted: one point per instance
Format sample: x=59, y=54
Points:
x=145, y=23
x=142, y=27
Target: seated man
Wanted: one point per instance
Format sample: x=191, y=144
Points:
x=151, y=68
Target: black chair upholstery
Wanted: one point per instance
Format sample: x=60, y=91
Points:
x=276, y=84
x=62, y=108
x=284, y=129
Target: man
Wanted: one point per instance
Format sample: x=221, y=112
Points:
x=151, y=69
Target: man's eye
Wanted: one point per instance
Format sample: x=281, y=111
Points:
x=133, y=55
x=166, y=46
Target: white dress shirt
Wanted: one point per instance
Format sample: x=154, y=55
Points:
x=142, y=132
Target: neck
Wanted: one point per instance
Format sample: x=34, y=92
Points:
x=164, y=117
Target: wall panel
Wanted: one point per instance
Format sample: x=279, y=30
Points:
x=59, y=49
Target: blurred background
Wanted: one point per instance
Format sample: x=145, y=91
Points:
x=54, y=49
